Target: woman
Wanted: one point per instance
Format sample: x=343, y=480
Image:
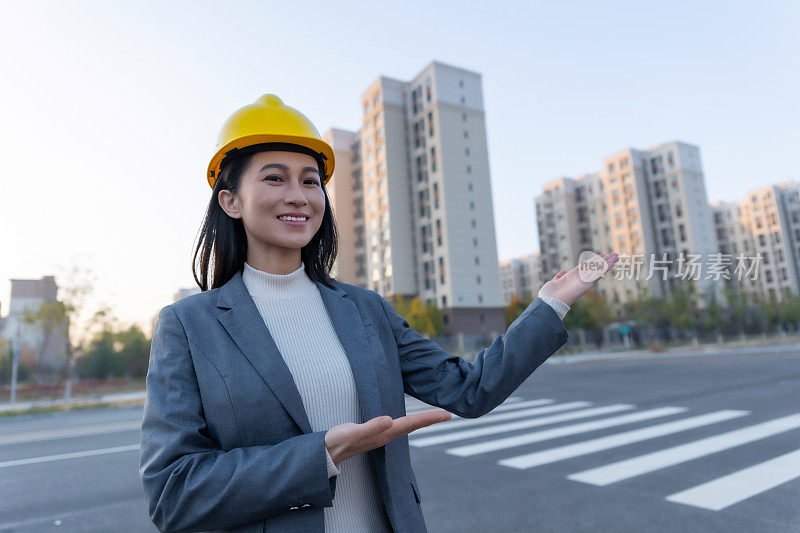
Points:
x=275, y=397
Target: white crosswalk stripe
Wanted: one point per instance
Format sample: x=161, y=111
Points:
x=492, y=418
x=714, y=495
x=538, y=436
x=514, y=426
x=733, y=488
x=621, y=439
x=651, y=462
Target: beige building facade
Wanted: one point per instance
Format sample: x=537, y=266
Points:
x=763, y=228
x=521, y=276
x=649, y=205
x=428, y=221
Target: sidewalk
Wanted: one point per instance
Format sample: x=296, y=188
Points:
x=676, y=351
x=119, y=398
x=138, y=397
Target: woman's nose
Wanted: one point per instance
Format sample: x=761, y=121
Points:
x=295, y=194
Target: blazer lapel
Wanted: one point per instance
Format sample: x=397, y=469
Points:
x=245, y=325
x=350, y=329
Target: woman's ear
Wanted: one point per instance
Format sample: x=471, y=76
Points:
x=228, y=203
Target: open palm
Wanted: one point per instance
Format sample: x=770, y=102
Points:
x=569, y=286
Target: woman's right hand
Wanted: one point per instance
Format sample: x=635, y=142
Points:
x=346, y=440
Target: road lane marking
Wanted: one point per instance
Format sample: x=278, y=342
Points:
x=733, y=488
x=621, y=439
x=491, y=418
x=651, y=462
x=51, y=434
x=63, y=456
x=538, y=436
x=513, y=426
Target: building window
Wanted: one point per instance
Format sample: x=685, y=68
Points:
x=471, y=204
x=430, y=124
x=433, y=159
x=466, y=134
x=474, y=241
x=466, y=151
x=469, y=170
x=480, y=301
x=428, y=89
x=473, y=222
x=477, y=260
x=463, y=100
x=444, y=300
x=463, y=117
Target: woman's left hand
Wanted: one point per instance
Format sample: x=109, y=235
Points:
x=569, y=286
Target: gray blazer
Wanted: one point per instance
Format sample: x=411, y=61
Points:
x=226, y=444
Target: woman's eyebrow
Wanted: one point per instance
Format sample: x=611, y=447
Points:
x=274, y=165
x=286, y=168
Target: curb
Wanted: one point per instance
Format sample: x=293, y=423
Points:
x=135, y=397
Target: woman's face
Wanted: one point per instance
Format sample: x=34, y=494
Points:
x=277, y=183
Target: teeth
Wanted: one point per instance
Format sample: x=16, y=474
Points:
x=294, y=218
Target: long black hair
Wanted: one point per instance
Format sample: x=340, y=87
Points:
x=222, y=245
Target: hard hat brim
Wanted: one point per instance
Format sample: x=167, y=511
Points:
x=316, y=145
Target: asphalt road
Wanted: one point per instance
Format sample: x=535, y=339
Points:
x=699, y=443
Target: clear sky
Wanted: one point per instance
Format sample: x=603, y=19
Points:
x=109, y=110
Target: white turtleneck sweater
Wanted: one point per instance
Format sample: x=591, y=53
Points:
x=296, y=317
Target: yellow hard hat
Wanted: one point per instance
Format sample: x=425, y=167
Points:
x=268, y=120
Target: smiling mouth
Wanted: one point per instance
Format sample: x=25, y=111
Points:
x=304, y=221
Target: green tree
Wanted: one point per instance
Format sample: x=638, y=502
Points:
x=790, y=308
x=591, y=313
x=134, y=351
x=421, y=316
x=681, y=311
x=101, y=360
x=515, y=308
x=48, y=318
x=716, y=315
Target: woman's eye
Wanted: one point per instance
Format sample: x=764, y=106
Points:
x=313, y=181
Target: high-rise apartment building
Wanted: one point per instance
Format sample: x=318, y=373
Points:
x=521, y=276
x=427, y=204
x=765, y=223
x=347, y=200
x=647, y=203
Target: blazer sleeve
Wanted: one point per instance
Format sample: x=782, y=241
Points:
x=189, y=483
x=471, y=390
